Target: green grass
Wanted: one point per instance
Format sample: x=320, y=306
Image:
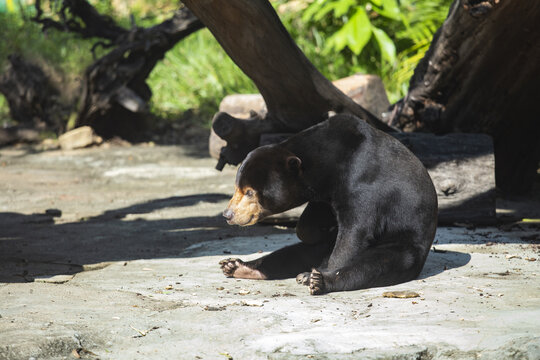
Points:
x=60, y=51
x=196, y=74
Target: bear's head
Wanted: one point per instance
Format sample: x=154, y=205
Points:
x=269, y=181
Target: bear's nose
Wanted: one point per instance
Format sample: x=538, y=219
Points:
x=228, y=214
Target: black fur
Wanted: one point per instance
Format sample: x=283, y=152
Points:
x=372, y=211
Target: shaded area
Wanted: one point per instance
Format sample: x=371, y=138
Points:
x=32, y=245
x=477, y=209
x=150, y=206
x=437, y=262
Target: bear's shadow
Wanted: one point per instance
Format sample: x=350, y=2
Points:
x=438, y=262
x=249, y=248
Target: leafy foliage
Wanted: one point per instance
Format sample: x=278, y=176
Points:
x=341, y=37
x=355, y=26
x=195, y=75
x=383, y=37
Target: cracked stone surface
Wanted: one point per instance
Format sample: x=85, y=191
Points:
x=129, y=270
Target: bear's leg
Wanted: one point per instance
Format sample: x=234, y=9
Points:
x=382, y=265
x=281, y=264
x=317, y=224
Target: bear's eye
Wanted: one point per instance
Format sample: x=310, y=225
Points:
x=250, y=193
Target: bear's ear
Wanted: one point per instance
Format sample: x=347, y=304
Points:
x=294, y=163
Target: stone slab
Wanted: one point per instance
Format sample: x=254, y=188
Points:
x=141, y=235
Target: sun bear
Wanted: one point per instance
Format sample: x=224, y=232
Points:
x=371, y=215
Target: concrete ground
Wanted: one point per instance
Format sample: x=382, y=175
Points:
x=112, y=253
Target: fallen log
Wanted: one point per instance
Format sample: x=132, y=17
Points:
x=114, y=90
x=480, y=75
x=297, y=95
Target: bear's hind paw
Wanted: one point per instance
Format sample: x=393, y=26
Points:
x=316, y=283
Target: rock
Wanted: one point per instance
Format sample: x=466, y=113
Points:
x=240, y=105
x=81, y=137
x=175, y=229
x=366, y=90
x=49, y=144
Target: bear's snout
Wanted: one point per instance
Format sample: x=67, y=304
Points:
x=228, y=214
x=244, y=208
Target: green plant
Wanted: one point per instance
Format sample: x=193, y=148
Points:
x=340, y=37
x=64, y=56
x=421, y=20
x=195, y=74
x=4, y=112
x=383, y=37
x=352, y=19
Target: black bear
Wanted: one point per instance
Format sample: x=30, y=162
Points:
x=371, y=215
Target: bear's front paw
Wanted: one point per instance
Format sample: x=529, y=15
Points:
x=316, y=283
x=303, y=278
x=229, y=266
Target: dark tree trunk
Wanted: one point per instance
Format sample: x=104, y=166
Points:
x=115, y=93
x=33, y=99
x=114, y=90
x=297, y=95
x=481, y=74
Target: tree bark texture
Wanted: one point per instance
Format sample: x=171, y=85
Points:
x=114, y=90
x=33, y=99
x=481, y=74
x=296, y=94
x=115, y=93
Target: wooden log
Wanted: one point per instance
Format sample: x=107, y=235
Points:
x=462, y=167
x=480, y=75
x=115, y=93
x=297, y=95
